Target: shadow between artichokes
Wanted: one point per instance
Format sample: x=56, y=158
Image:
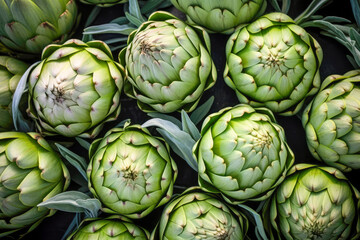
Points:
x=242, y=154
x=75, y=89
x=198, y=215
x=27, y=178
x=273, y=63
x=168, y=64
x=131, y=172
x=113, y=227
x=332, y=122
x=313, y=202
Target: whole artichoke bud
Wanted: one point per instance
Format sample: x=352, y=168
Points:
x=113, y=227
x=168, y=64
x=314, y=203
x=11, y=71
x=273, y=62
x=30, y=173
x=103, y=3
x=242, y=154
x=199, y=215
x=27, y=26
x=131, y=172
x=220, y=16
x=75, y=89
x=332, y=122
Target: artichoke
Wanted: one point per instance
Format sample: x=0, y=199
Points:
x=75, y=89
x=199, y=215
x=273, y=62
x=332, y=122
x=168, y=64
x=11, y=71
x=27, y=26
x=242, y=154
x=220, y=16
x=113, y=227
x=30, y=173
x=131, y=172
x=103, y=3
x=314, y=203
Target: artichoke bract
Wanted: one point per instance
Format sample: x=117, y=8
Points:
x=198, y=215
x=113, y=227
x=314, y=203
x=103, y=3
x=11, y=71
x=131, y=172
x=273, y=63
x=220, y=16
x=30, y=173
x=332, y=120
x=75, y=89
x=27, y=26
x=168, y=64
x=242, y=154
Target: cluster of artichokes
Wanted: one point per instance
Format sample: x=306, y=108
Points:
x=240, y=155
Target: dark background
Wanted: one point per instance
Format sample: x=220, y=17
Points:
x=334, y=62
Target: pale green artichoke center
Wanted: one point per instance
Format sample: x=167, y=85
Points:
x=129, y=174
x=315, y=230
x=56, y=91
x=261, y=138
x=273, y=60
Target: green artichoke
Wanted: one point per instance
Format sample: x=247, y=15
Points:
x=314, y=203
x=11, y=71
x=30, y=173
x=332, y=122
x=113, y=227
x=131, y=172
x=75, y=89
x=221, y=16
x=168, y=64
x=199, y=215
x=103, y=3
x=27, y=26
x=242, y=154
x=273, y=62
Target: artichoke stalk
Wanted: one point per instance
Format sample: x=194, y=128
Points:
x=198, y=215
x=273, y=63
x=131, y=172
x=314, y=203
x=27, y=26
x=113, y=227
x=332, y=121
x=27, y=178
x=11, y=71
x=75, y=89
x=221, y=16
x=168, y=64
x=242, y=154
